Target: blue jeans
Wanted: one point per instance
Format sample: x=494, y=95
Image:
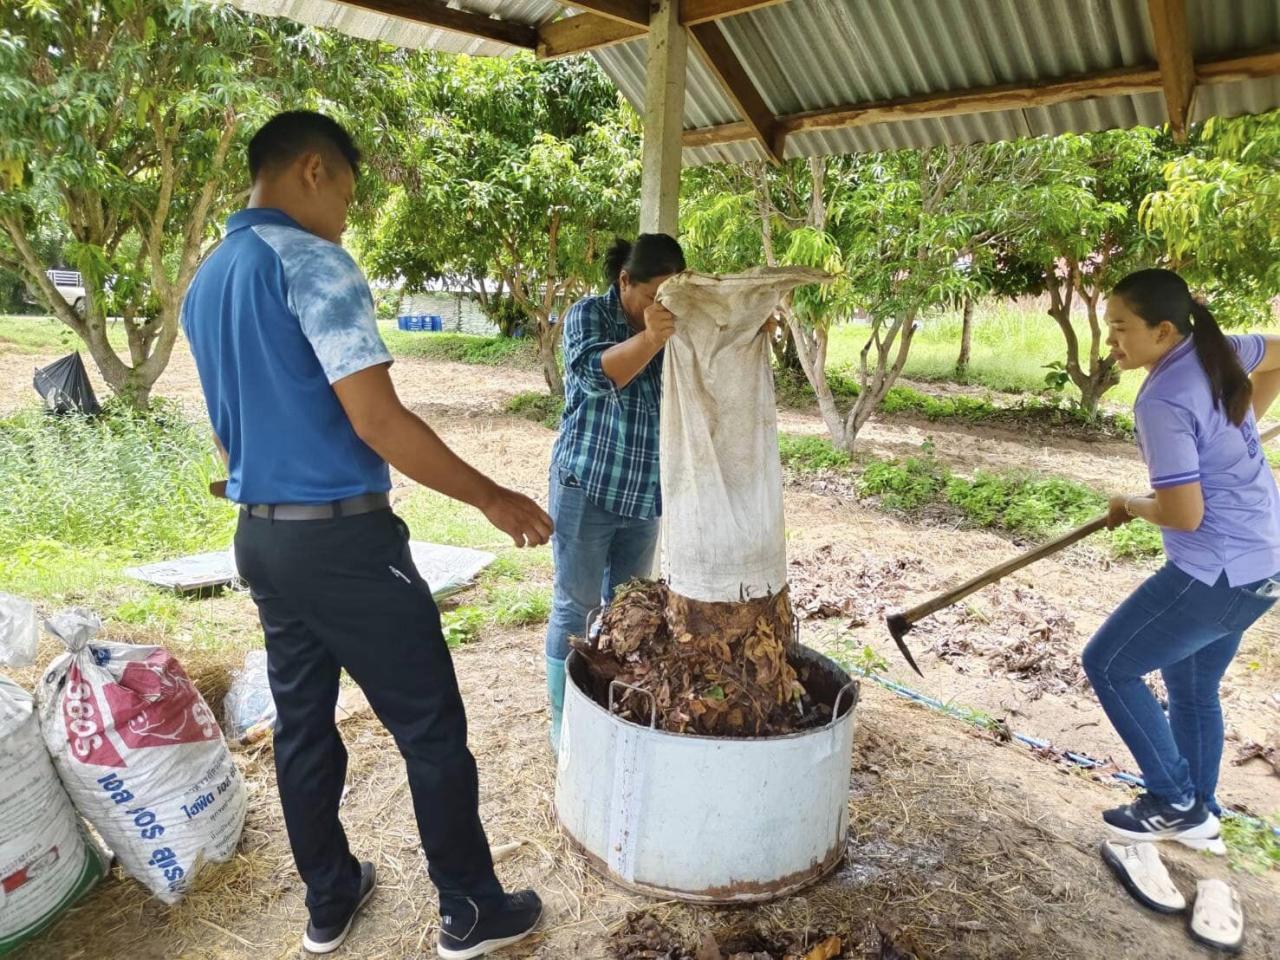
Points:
x=1189, y=632
x=595, y=551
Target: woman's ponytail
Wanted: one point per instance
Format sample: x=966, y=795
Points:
x=615, y=259
x=1160, y=295
x=1231, y=386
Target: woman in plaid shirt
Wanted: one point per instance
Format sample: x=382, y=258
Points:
x=605, y=495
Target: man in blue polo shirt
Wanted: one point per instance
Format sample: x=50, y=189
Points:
x=281, y=324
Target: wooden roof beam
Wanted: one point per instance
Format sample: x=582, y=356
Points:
x=728, y=69
x=592, y=31
x=1177, y=64
x=634, y=12
x=582, y=32
x=1131, y=80
x=432, y=13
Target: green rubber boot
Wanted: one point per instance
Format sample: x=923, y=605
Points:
x=555, y=697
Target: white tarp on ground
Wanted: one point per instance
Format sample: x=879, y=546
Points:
x=722, y=520
x=447, y=569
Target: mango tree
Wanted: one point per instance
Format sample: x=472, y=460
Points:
x=121, y=123
x=907, y=233
x=514, y=170
x=1080, y=234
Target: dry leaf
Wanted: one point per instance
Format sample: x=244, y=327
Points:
x=828, y=949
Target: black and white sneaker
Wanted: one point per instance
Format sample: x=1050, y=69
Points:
x=329, y=939
x=469, y=932
x=1149, y=818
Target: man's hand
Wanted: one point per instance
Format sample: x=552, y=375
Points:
x=659, y=325
x=1118, y=512
x=519, y=517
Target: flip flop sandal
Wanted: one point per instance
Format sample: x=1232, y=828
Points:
x=1138, y=866
x=1217, y=920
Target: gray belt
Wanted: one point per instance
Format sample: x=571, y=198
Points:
x=350, y=507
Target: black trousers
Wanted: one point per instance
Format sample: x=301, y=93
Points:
x=344, y=594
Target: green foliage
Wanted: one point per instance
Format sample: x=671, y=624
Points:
x=514, y=169
x=1217, y=214
x=907, y=485
x=868, y=662
x=1019, y=503
x=905, y=399
x=131, y=484
x=1252, y=844
x=122, y=125
x=459, y=348
x=538, y=407
x=519, y=605
x=462, y=625
x=811, y=454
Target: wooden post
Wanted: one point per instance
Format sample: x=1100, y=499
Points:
x=663, y=120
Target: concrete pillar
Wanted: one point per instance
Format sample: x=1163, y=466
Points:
x=663, y=120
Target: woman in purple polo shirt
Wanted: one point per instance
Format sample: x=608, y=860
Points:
x=1217, y=506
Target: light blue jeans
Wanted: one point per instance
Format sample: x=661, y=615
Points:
x=1190, y=632
x=595, y=551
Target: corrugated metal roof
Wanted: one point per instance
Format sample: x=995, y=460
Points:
x=807, y=55
x=815, y=54
x=367, y=25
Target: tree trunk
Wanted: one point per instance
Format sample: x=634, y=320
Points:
x=966, y=339
x=891, y=345
x=1097, y=374
x=786, y=354
x=548, y=338
x=811, y=350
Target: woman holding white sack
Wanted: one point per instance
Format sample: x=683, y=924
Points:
x=605, y=496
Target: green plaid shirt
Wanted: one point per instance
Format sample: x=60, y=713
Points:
x=609, y=437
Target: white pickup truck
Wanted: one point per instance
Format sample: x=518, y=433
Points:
x=70, y=286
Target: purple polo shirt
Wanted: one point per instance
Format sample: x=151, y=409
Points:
x=1184, y=439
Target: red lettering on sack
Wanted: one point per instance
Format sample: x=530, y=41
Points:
x=154, y=704
x=86, y=728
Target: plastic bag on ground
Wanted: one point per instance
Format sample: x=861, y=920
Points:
x=248, y=703
x=141, y=755
x=19, y=631
x=47, y=861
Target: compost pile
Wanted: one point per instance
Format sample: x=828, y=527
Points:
x=709, y=649
x=718, y=669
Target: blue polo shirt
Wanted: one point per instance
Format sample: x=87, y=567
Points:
x=1186, y=438
x=274, y=316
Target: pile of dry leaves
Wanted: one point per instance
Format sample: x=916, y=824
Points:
x=720, y=669
x=1012, y=630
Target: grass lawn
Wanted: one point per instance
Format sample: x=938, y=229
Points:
x=44, y=334
x=1011, y=347
x=460, y=347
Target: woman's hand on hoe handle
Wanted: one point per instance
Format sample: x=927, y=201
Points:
x=1118, y=512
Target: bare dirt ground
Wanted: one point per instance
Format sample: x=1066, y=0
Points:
x=962, y=847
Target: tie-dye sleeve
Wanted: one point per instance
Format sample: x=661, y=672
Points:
x=331, y=299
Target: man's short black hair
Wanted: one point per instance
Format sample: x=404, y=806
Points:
x=288, y=135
